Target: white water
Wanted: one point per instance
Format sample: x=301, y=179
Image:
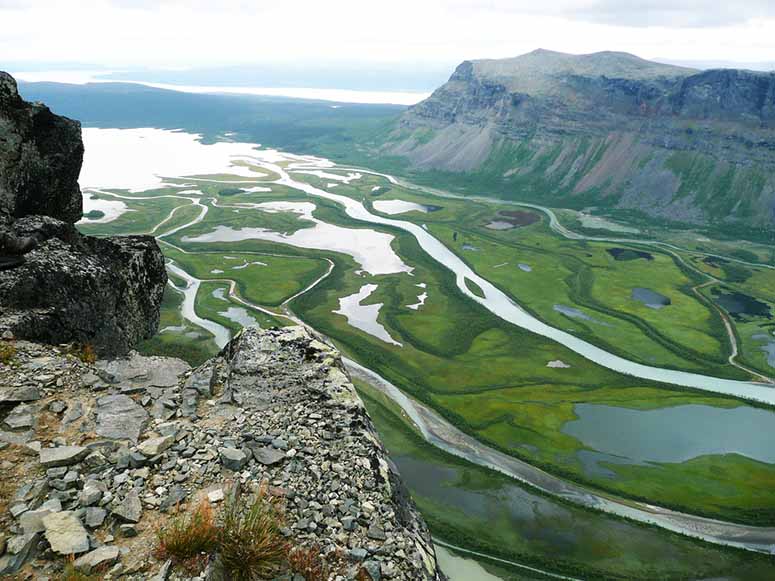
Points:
x=371, y=249
x=139, y=159
x=420, y=302
x=393, y=207
x=111, y=209
x=364, y=317
x=240, y=316
x=346, y=179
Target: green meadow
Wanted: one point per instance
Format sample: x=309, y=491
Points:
x=484, y=511
x=489, y=378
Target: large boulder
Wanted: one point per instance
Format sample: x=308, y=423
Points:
x=105, y=292
x=40, y=158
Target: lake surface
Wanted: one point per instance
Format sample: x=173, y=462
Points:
x=371, y=249
x=364, y=317
x=392, y=207
x=740, y=305
x=650, y=298
x=768, y=347
x=674, y=434
x=111, y=209
x=240, y=316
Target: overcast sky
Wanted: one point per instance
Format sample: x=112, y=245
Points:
x=186, y=33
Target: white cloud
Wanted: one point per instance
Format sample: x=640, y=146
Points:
x=158, y=33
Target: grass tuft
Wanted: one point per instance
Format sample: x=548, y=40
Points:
x=85, y=353
x=7, y=352
x=251, y=545
x=189, y=539
x=307, y=562
x=70, y=573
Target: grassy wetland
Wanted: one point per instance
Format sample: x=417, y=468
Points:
x=263, y=253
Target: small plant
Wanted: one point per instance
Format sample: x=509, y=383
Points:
x=85, y=353
x=251, y=545
x=7, y=352
x=308, y=563
x=72, y=574
x=189, y=539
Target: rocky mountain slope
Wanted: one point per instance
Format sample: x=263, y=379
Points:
x=55, y=284
x=605, y=129
x=96, y=458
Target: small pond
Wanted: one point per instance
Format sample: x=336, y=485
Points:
x=626, y=254
x=401, y=206
x=364, y=317
x=675, y=434
x=240, y=316
x=500, y=225
x=740, y=305
x=768, y=347
x=574, y=313
x=650, y=298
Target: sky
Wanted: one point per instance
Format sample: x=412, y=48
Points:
x=127, y=34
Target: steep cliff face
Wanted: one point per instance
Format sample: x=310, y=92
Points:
x=40, y=158
x=104, y=292
x=605, y=129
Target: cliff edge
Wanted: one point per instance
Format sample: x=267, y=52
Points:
x=57, y=285
x=114, y=450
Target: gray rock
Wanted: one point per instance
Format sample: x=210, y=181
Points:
x=20, y=417
x=163, y=572
x=373, y=569
x=130, y=509
x=138, y=373
x=62, y=456
x=266, y=455
x=233, y=459
x=155, y=446
x=74, y=412
x=19, y=550
x=65, y=533
x=119, y=417
x=32, y=520
x=375, y=532
x=94, y=517
x=176, y=495
x=127, y=531
x=19, y=394
x=99, y=558
x=90, y=495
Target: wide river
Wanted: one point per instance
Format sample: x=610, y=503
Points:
x=504, y=307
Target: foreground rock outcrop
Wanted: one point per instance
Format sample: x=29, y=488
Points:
x=68, y=288
x=95, y=458
x=40, y=159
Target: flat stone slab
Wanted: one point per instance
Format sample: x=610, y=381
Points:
x=102, y=557
x=62, y=456
x=155, y=446
x=267, y=455
x=19, y=394
x=65, y=533
x=119, y=417
x=138, y=372
x=20, y=417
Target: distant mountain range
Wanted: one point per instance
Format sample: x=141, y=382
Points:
x=605, y=129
